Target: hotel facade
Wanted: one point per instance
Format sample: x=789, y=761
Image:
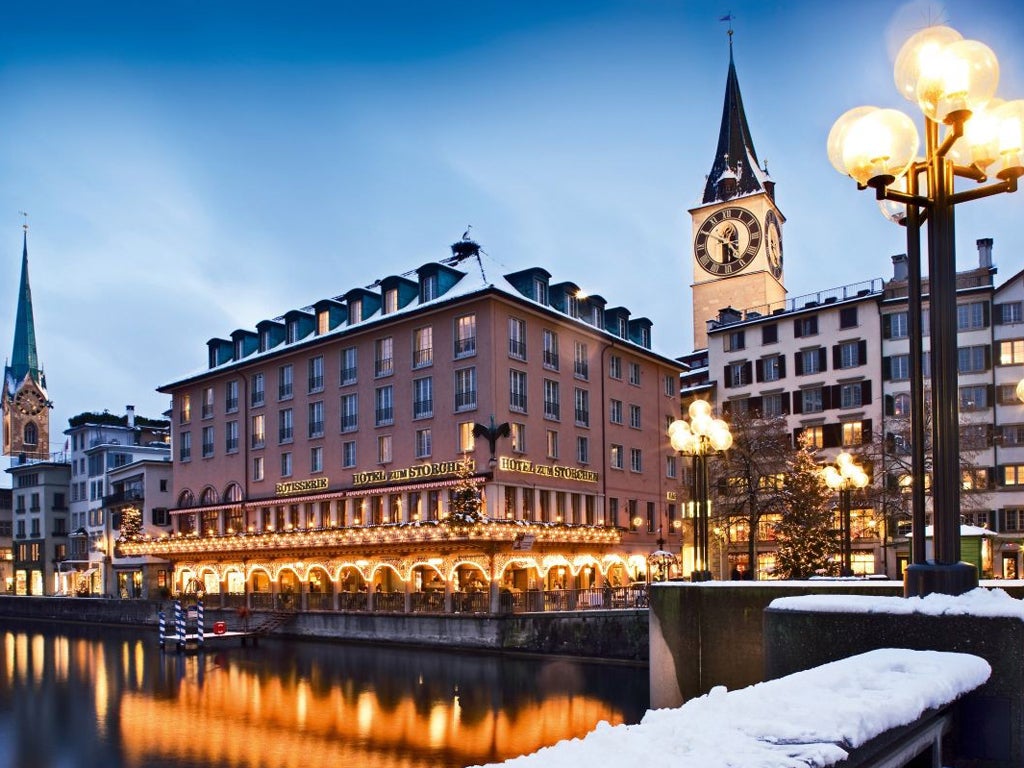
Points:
x=317, y=457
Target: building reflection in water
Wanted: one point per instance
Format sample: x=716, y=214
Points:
x=91, y=697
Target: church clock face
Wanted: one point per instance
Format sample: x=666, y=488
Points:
x=773, y=243
x=727, y=241
x=29, y=402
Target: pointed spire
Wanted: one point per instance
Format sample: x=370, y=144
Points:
x=735, y=170
x=24, y=358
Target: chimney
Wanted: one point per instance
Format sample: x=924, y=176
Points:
x=131, y=416
x=729, y=315
x=899, y=266
x=985, y=252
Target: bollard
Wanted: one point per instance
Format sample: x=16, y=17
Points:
x=199, y=624
x=179, y=624
x=163, y=629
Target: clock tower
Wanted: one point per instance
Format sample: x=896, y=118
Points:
x=737, y=228
x=25, y=405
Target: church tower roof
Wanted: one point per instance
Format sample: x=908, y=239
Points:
x=24, y=357
x=735, y=171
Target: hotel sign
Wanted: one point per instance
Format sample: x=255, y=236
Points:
x=527, y=467
x=404, y=474
x=301, y=486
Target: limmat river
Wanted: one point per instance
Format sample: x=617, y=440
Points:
x=76, y=696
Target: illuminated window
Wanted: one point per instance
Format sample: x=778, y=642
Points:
x=616, y=456
x=552, y=442
x=853, y=433
x=1011, y=352
x=383, y=359
x=815, y=436
x=518, y=437
x=422, y=347
x=465, y=336
x=259, y=430
x=383, y=449
x=207, y=402
x=466, y=440
x=390, y=301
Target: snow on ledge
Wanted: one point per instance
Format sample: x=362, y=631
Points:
x=989, y=603
x=807, y=718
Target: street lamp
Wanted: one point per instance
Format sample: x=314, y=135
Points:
x=700, y=437
x=953, y=81
x=844, y=476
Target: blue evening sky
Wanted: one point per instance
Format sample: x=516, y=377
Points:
x=194, y=167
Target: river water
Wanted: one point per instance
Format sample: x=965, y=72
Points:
x=91, y=697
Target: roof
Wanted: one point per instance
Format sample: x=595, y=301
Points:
x=24, y=357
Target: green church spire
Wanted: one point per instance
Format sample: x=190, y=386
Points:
x=24, y=358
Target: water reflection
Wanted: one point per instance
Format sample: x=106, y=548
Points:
x=91, y=697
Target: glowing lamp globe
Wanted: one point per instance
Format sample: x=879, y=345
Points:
x=880, y=146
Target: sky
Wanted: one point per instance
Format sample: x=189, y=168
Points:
x=191, y=168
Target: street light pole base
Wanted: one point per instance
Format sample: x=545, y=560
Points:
x=922, y=579
x=701, y=576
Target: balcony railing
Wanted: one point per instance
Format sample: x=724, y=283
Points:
x=120, y=497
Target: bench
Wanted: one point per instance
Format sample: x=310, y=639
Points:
x=887, y=708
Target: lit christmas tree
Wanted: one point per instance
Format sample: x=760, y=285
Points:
x=131, y=524
x=808, y=544
x=466, y=504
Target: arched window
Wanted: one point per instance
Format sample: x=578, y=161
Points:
x=31, y=434
x=209, y=496
x=186, y=499
x=233, y=493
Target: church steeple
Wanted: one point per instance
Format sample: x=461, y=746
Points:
x=24, y=357
x=735, y=170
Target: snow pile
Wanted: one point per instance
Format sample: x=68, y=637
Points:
x=989, y=603
x=810, y=718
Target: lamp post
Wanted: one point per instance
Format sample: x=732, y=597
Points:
x=844, y=476
x=703, y=435
x=971, y=135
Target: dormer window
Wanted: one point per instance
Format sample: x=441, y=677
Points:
x=390, y=301
x=623, y=328
x=572, y=305
x=239, y=349
x=428, y=288
x=213, y=357
x=292, y=332
x=540, y=291
x=323, y=322
x=264, y=340
x=355, y=311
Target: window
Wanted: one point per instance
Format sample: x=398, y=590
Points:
x=582, y=410
x=550, y=354
x=1006, y=394
x=517, y=390
x=316, y=459
x=518, y=436
x=636, y=460
x=390, y=301
x=580, y=361
x=185, y=409
x=348, y=454
x=770, y=334
x=355, y=311
x=899, y=367
x=30, y=436
x=466, y=439
x=894, y=325
x=516, y=338
x=284, y=382
x=292, y=332
x=552, y=440
x=257, y=390
x=615, y=367
x=671, y=469
x=257, y=468
x=634, y=374
x=207, y=402
x=971, y=316
x=815, y=436
x=848, y=317
x=811, y=400
x=423, y=347
x=540, y=290
x=207, y=442
x=465, y=389
x=974, y=398
x=383, y=449
x=1013, y=474
x=849, y=354
x=231, y=396
x=1009, y=313
x=316, y=419
x=850, y=395
x=771, y=368
x=286, y=464
x=583, y=450
x=771, y=405
x=671, y=385
x=428, y=288
x=349, y=365
x=616, y=456
x=615, y=411
x=551, y=398
x=422, y=397
x=1012, y=519
x=259, y=431
x=349, y=413
x=972, y=359
x=634, y=416
x=738, y=374
x=384, y=399
x=735, y=340
x=853, y=433
x=323, y=322
x=231, y=437
x=285, y=426
x=465, y=336
x=806, y=326
x=1011, y=352
x=383, y=360
x=316, y=373
x=809, y=361
x=423, y=443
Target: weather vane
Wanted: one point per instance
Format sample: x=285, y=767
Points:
x=729, y=17
x=25, y=225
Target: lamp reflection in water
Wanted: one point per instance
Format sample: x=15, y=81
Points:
x=704, y=435
x=969, y=134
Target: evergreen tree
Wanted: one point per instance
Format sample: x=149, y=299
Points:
x=131, y=524
x=808, y=542
x=466, y=505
